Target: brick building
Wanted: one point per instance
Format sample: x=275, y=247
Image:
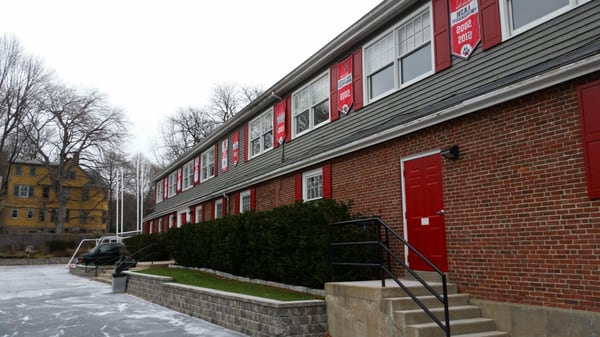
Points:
x=514, y=218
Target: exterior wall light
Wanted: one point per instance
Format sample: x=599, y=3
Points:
x=451, y=152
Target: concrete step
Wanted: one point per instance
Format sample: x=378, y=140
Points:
x=485, y=334
x=407, y=303
x=457, y=328
x=105, y=277
x=418, y=316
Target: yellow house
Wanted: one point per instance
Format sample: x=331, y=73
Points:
x=31, y=204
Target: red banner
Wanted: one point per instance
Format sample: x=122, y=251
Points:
x=344, y=85
x=166, y=188
x=236, y=146
x=280, y=122
x=196, y=170
x=224, y=155
x=179, y=179
x=464, y=23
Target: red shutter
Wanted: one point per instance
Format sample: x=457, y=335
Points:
x=441, y=35
x=224, y=206
x=253, y=199
x=288, y=119
x=216, y=158
x=357, y=79
x=246, y=147
x=298, y=187
x=236, y=203
x=333, y=97
x=327, y=181
x=589, y=105
x=491, y=31
x=192, y=214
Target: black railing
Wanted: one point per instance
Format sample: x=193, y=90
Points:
x=379, y=239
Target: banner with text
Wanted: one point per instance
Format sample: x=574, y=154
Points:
x=280, y=122
x=344, y=85
x=464, y=24
x=224, y=155
x=236, y=146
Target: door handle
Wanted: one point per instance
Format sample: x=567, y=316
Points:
x=440, y=212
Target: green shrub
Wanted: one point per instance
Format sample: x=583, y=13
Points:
x=289, y=244
x=147, y=247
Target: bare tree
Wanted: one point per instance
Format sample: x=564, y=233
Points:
x=225, y=101
x=22, y=78
x=188, y=127
x=77, y=128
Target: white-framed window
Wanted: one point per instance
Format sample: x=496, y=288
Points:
x=310, y=105
x=207, y=163
x=14, y=213
x=159, y=191
x=245, y=201
x=172, y=184
x=521, y=15
x=218, y=208
x=180, y=221
x=23, y=191
x=151, y=227
x=30, y=213
x=160, y=225
x=261, y=133
x=198, y=213
x=400, y=56
x=188, y=175
x=171, y=220
x=312, y=185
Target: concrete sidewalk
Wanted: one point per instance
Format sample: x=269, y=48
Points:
x=47, y=301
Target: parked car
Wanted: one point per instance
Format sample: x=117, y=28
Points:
x=102, y=254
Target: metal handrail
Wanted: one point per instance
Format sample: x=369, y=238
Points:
x=383, y=246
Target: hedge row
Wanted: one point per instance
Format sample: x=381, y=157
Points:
x=289, y=244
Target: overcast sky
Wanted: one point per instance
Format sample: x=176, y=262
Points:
x=151, y=57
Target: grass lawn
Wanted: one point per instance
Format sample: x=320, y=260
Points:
x=208, y=280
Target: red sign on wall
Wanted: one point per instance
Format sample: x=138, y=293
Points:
x=280, y=122
x=344, y=85
x=464, y=23
x=236, y=147
x=224, y=154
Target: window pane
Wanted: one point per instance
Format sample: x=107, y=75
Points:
x=314, y=187
x=380, y=54
x=301, y=101
x=255, y=147
x=381, y=81
x=302, y=122
x=416, y=64
x=524, y=12
x=319, y=90
x=321, y=112
x=268, y=140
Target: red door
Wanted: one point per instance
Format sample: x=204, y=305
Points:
x=424, y=211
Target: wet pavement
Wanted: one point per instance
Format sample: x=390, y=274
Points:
x=47, y=301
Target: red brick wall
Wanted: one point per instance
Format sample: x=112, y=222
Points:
x=274, y=193
x=520, y=227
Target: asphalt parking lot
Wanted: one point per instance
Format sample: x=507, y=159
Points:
x=47, y=301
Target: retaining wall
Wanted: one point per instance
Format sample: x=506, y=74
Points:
x=254, y=316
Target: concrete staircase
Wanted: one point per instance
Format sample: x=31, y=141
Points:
x=366, y=309
x=104, y=276
x=465, y=318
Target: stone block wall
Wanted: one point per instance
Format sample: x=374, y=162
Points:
x=256, y=317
